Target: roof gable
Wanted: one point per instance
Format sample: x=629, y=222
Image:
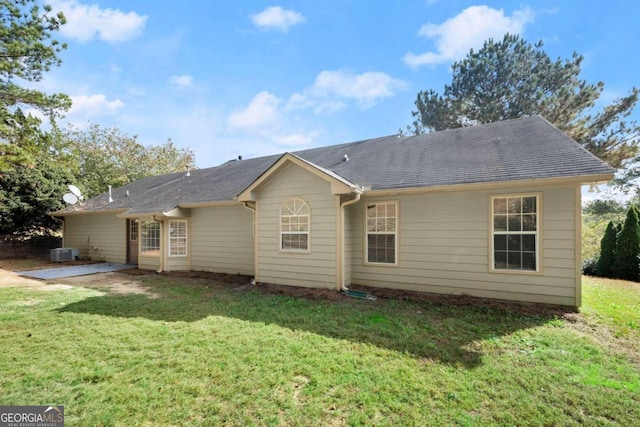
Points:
x=339, y=185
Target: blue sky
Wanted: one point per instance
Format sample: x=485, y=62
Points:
x=250, y=78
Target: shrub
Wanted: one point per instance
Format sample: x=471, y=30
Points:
x=606, y=260
x=627, y=250
x=590, y=267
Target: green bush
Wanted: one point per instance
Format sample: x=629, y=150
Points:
x=590, y=267
x=626, y=265
x=606, y=260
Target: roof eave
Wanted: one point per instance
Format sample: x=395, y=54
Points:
x=496, y=185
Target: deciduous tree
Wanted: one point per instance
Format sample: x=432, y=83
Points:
x=107, y=156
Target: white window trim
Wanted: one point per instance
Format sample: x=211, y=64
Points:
x=396, y=233
x=308, y=232
x=537, y=233
x=186, y=238
x=142, y=239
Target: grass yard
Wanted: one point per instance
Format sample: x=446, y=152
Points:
x=198, y=352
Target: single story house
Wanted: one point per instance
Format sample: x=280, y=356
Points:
x=490, y=211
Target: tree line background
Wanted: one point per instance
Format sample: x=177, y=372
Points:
x=505, y=79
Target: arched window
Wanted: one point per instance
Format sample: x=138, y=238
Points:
x=295, y=218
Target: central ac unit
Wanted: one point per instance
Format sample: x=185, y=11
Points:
x=63, y=254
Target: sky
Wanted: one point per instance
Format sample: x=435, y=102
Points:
x=250, y=78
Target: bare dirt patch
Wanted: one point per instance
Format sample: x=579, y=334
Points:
x=114, y=283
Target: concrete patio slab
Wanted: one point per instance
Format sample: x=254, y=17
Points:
x=74, y=270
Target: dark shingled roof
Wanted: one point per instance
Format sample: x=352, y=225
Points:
x=512, y=150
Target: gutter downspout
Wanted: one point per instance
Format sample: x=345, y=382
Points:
x=161, y=266
x=356, y=199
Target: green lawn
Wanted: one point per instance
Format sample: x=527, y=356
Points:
x=199, y=352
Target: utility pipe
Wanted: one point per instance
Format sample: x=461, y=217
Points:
x=356, y=199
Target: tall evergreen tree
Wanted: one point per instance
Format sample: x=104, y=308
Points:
x=27, y=51
x=627, y=264
x=607, y=251
x=511, y=78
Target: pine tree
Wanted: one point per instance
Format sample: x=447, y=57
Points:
x=607, y=251
x=626, y=265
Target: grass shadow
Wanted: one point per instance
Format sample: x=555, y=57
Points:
x=420, y=327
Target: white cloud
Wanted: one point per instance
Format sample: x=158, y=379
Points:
x=277, y=18
x=332, y=89
x=262, y=121
x=296, y=139
x=467, y=30
x=261, y=112
x=86, y=22
x=92, y=105
x=182, y=80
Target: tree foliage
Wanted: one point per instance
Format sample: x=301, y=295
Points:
x=511, y=78
x=27, y=51
x=29, y=193
x=626, y=264
x=607, y=251
x=601, y=207
x=106, y=156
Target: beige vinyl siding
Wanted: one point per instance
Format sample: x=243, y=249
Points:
x=313, y=268
x=97, y=236
x=148, y=262
x=222, y=240
x=444, y=247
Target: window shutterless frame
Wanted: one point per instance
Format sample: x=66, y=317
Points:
x=515, y=231
x=150, y=238
x=381, y=233
x=178, y=232
x=295, y=226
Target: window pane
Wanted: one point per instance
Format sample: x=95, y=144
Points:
x=529, y=242
x=371, y=225
x=529, y=222
x=514, y=260
x=515, y=223
x=529, y=261
x=380, y=225
x=500, y=206
x=391, y=224
x=514, y=205
x=514, y=243
x=529, y=204
x=500, y=242
x=500, y=223
x=391, y=210
x=500, y=259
